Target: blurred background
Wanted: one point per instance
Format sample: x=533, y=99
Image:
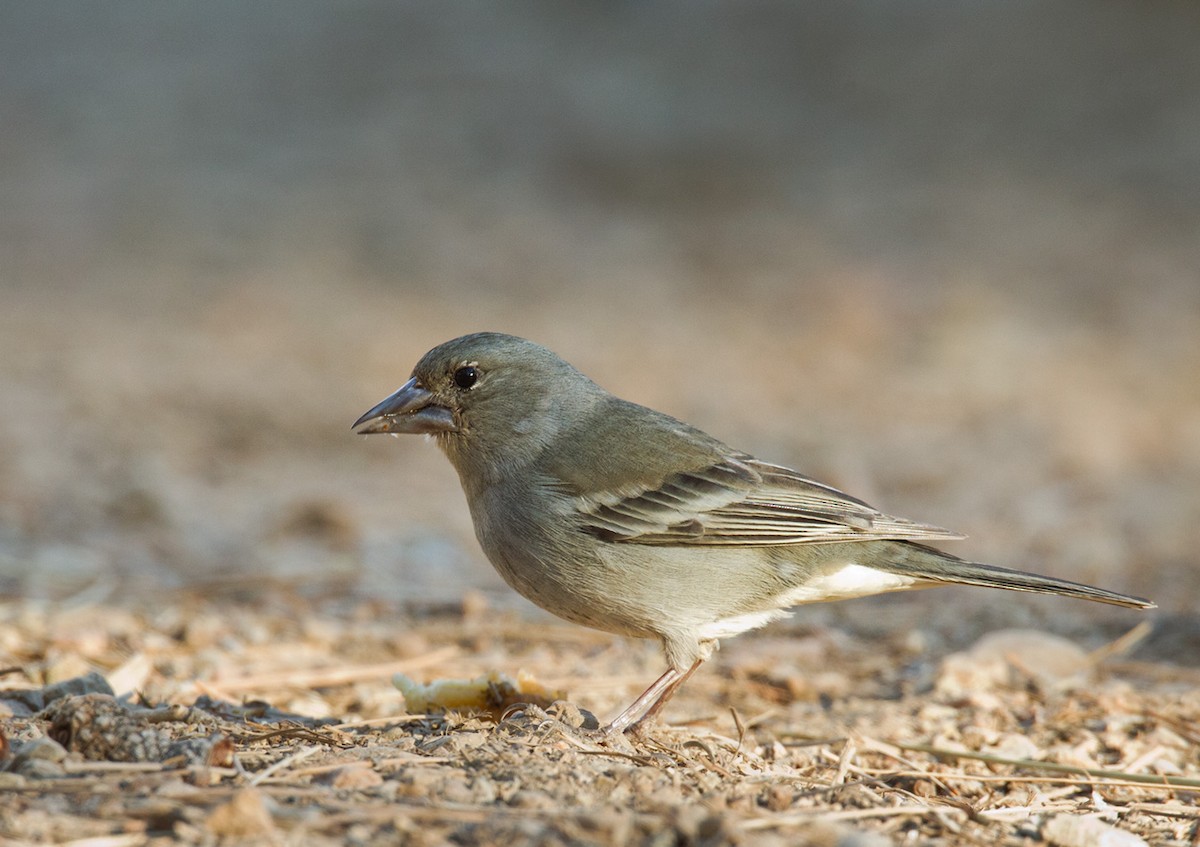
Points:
x=946, y=257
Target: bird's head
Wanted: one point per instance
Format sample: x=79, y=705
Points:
x=491, y=400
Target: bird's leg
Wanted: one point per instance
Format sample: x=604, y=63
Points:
x=669, y=692
x=651, y=701
x=642, y=704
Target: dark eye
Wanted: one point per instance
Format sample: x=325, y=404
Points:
x=466, y=376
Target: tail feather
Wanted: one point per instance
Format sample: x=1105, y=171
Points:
x=926, y=563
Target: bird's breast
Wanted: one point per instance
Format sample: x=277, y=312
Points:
x=541, y=553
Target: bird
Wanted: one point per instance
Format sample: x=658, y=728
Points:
x=621, y=518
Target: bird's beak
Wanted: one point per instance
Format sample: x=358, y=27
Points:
x=409, y=410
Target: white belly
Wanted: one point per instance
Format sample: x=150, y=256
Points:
x=846, y=582
x=849, y=581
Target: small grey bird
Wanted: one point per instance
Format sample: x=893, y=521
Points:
x=618, y=517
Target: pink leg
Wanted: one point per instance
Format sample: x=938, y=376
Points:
x=651, y=701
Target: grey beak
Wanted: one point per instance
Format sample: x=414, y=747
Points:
x=409, y=410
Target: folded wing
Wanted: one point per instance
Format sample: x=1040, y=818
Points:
x=742, y=501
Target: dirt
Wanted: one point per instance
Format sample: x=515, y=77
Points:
x=257, y=721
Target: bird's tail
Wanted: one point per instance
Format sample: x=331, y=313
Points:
x=926, y=563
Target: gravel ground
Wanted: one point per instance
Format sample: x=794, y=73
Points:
x=277, y=723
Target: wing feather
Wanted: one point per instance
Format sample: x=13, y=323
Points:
x=740, y=501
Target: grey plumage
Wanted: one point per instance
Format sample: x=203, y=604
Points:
x=621, y=518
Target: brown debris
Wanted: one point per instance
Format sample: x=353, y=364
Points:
x=869, y=764
x=101, y=728
x=244, y=815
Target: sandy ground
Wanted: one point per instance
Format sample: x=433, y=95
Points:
x=945, y=260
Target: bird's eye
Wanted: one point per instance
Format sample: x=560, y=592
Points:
x=466, y=376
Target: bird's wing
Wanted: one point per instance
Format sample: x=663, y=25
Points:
x=742, y=501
